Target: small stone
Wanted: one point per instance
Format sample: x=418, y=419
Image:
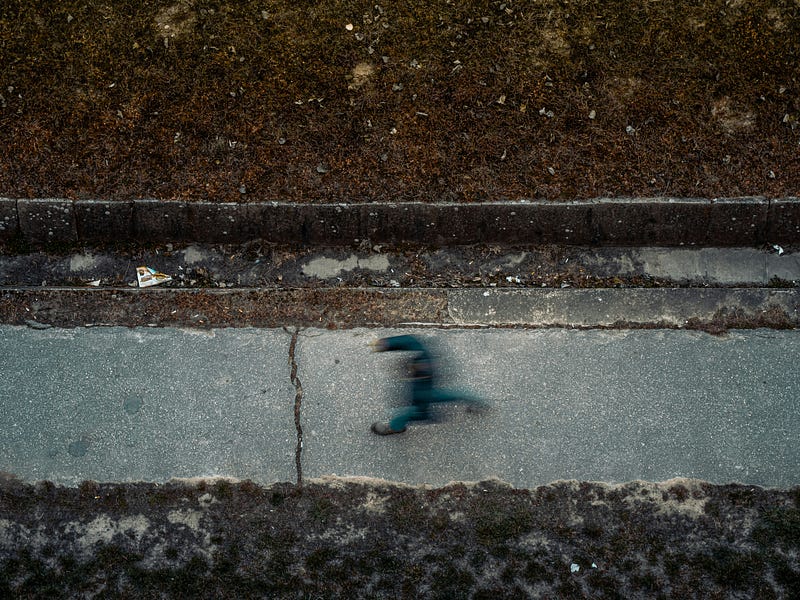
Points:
x=397, y=87
x=630, y=130
x=349, y=27
x=242, y=189
x=322, y=169
x=592, y=114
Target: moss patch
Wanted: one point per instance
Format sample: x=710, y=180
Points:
x=463, y=540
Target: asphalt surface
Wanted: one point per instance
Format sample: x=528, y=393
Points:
x=119, y=404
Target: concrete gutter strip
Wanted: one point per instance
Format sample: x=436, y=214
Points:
x=713, y=309
x=603, y=221
x=669, y=307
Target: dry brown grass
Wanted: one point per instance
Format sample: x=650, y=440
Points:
x=436, y=100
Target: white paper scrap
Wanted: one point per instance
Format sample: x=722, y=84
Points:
x=148, y=276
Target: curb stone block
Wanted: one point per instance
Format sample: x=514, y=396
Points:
x=394, y=223
x=47, y=220
x=302, y=223
x=215, y=223
x=520, y=223
x=277, y=222
x=563, y=223
x=537, y=222
x=9, y=224
x=329, y=223
x=679, y=221
x=648, y=221
x=784, y=221
x=158, y=222
x=104, y=221
x=737, y=221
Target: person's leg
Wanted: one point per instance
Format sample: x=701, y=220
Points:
x=404, y=416
x=441, y=395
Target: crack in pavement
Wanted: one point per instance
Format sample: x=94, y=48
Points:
x=298, y=402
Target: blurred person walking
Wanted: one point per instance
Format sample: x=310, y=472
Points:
x=423, y=390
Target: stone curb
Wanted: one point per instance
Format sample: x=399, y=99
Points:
x=714, y=309
x=628, y=221
x=609, y=307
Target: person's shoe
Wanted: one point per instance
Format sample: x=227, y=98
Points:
x=384, y=429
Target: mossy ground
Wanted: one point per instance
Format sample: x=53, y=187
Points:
x=343, y=100
x=371, y=539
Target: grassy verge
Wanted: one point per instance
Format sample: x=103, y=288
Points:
x=353, y=100
x=371, y=539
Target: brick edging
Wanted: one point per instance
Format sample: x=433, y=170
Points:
x=749, y=221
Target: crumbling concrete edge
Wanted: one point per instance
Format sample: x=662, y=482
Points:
x=709, y=309
x=749, y=221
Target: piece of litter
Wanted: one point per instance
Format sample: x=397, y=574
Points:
x=573, y=568
x=777, y=249
x=349, y=27
x=511, y=279
x=148, y=276
x=486, y=294
x=594, y=566
x=94, y=283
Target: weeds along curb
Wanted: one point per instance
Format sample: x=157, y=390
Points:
x=748, y=221
x=711, y=309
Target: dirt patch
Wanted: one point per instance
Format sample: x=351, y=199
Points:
x=472, y=101
x=372, y=539
x=176, y=21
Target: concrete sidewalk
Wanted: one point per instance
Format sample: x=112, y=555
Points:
x=115, y=404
